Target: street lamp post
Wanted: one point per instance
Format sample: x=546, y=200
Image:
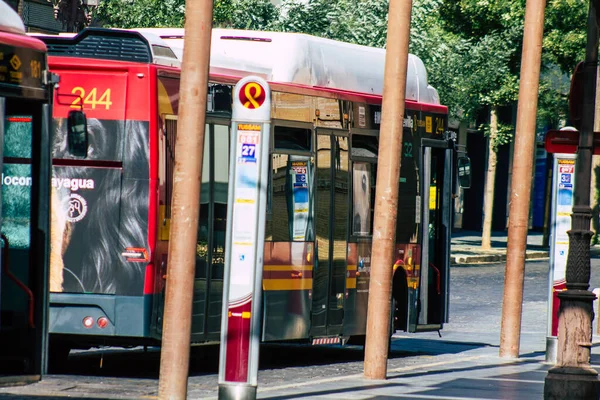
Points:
x=572, y=377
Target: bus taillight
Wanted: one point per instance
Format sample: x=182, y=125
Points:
x=102, y=322
x=88, y=322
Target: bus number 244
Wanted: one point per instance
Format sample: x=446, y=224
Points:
x=91, y=98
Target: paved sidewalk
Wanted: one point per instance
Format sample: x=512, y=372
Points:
x=458, y=367
x=466, y=247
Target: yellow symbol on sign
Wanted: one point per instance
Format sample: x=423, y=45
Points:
x=252, y=95
x=15, y=62
x=428, y=124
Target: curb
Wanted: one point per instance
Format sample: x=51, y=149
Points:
x=493, y=258
x=457, y=259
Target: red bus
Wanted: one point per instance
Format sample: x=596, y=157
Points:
x=25, y=120
x=112, y=203
x=105, y=186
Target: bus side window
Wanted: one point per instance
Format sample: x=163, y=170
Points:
x=363, y=199
x=170, y=138
x=364, y=173
x=167, y=166
x=289, y=208
x=77, y=133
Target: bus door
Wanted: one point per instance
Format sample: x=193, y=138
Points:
x=289, y=233
x=437, y=178
x=332, y=201
x=212, y=222
x=24, y=246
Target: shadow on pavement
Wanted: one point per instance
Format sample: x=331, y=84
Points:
x=524, y=385
x=333, y=391
x=514, y=385
x=533, y=354
x=435, y=346
x=140, y=364
x=450, y=370
x=204, y=360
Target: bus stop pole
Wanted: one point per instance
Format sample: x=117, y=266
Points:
x=175, y=352
x=510, y=331
x=386, y=192
x=244, y=239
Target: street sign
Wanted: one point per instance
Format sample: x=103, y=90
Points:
x=244, y=242
x=566, y=141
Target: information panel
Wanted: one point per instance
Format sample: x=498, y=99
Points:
x=247, y=196
x=563, y=185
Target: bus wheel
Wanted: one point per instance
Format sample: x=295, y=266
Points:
x=58, y=356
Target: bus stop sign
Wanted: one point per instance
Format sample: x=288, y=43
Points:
x=244, y=241
x=566, y=141
x=252, y=95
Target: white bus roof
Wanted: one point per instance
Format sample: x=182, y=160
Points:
x=303, y=59
x=10, y=20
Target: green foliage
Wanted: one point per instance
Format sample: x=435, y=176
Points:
x=248, y=14
x=238, y=14
x=476, y=18
x=564, y=33
x=222, y=12
x=140, y=13
x=317, y=17
x=367, y=22
x=553, y=98
x=502, y=137
x=352, y=21
x=484, y=34
x=493, y=30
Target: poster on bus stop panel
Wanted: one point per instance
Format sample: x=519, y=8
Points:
x=562, y=195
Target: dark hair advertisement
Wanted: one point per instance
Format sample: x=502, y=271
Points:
x=100, y=209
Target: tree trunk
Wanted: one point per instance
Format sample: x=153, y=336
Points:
x=490, y=181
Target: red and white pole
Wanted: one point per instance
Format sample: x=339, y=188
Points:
x=244, y=246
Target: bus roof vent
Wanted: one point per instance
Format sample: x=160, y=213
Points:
x=106, y=44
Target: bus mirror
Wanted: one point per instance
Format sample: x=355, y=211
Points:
x=464, y=172
x=77, y=134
